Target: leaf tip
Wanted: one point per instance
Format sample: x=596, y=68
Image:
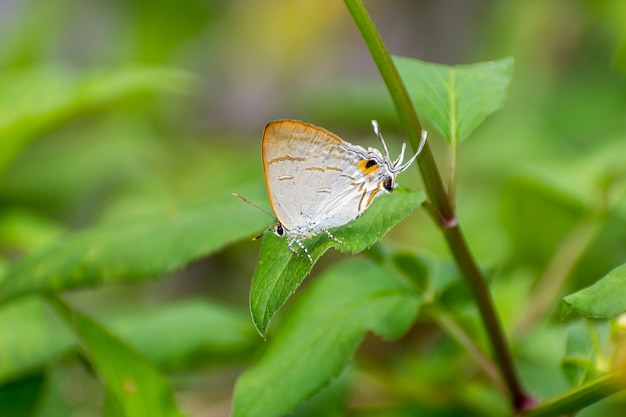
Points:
x=259, y=321
x=565, y=308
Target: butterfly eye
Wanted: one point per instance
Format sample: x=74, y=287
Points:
x=370, y=163
x=278, y=230
x=388, y=184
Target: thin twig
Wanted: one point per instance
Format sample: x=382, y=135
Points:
x=549, y=284
x=457, y=333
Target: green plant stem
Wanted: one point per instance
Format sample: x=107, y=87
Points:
x=582, y=396
x=468, y=267
x=440, y=205
x=452, y=173
x=408, y=117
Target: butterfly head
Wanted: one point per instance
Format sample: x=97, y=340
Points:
x=385, y=170
x=278, y=229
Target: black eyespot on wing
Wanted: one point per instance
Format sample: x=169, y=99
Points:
x=388, y=184
x=370, y=163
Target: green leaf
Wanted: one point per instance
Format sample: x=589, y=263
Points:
x=329, y=401
x=112, y=407
x=530, y=203
x=456, y=99
x=430, y=275
x=412, y=267
x=29, y=338
x=20, y=398
x=320, y=332
x=279, y=272
x=603, y=300
x=579, y=362
x=141, y=248
x=25, y=231
x=33, y=101
x=433, y=276
x=211, y=333
x=139, y=389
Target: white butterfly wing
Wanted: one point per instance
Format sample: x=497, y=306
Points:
x=315, y=180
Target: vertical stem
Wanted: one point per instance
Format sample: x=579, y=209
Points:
x=408, y=117
x=440, y=204
x=452, y=173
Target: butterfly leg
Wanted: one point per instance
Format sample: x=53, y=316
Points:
x=330, y=235
x=290, y=245
x=306, y=251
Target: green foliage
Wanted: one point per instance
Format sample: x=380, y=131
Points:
x=15, y=397
x=135, y=249
x=131, y=382
x=328, y=401
x=456, y=99
x=604, y=299
x=30, y=338
x=212, y=333
x=124, y=132
x=530, y=200
x=280, y=272
x=320, y=332
x=581, y=354
x=48, y=96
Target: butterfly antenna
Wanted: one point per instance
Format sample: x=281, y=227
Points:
x=401, y=156
x=419, y=150
x=255, y=206
x=380, y=136
x=260, y=208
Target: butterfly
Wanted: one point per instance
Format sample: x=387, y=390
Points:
x=317, y=181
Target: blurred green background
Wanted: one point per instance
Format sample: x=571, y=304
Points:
x=110, y=109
